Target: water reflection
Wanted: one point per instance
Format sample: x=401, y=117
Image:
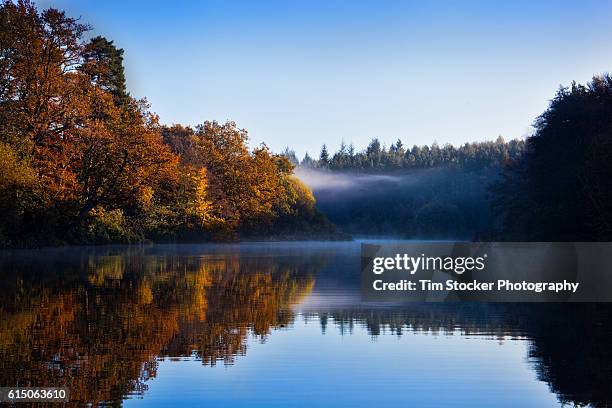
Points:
x=98, y=320
x=569, y=344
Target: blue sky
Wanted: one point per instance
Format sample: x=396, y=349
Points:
x=303, y=73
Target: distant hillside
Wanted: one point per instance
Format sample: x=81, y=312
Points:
x=423, y=192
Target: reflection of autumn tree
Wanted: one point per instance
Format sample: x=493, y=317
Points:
x=99, y=326
x=238, y=303
x=99, y=341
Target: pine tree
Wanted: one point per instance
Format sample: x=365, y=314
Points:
x=103, y=62
x=324, y=157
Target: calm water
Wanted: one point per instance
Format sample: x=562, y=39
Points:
x=279, y=324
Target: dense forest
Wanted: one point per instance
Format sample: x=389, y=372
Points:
x=377, y=158
x=561, y=188
x=554, y=186
x=81, y=161
x=433, y=192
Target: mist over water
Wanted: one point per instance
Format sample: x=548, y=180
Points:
x=320, y=180
x=434, y=203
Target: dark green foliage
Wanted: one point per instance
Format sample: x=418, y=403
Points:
x=561, y=189
x=103, y=62
x=423, y=192
x=377, y=158
x=436, y=203
x=290, y=155
x=324, y=157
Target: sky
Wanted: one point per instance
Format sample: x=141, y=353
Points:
x=304, y=73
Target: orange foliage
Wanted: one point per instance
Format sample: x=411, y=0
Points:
x=102, y=335
x=99, y=166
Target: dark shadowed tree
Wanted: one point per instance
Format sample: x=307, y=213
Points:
x=307, y=161
x=289, y=154
x=561, y=190
x=324, y=157
x=103, y=62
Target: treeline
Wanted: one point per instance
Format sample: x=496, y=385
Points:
x=554, y=186
x=434, y=203
x=81, y=161
x=425, y=192
x=377, y=157
x=561, y=188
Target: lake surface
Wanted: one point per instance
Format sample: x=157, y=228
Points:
x=280, y=324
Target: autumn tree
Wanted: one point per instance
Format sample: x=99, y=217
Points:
x=86, y=162
x=86, y=150
x=40, y=97
x=19, y=191
x=248, y=192
x=244, y=186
